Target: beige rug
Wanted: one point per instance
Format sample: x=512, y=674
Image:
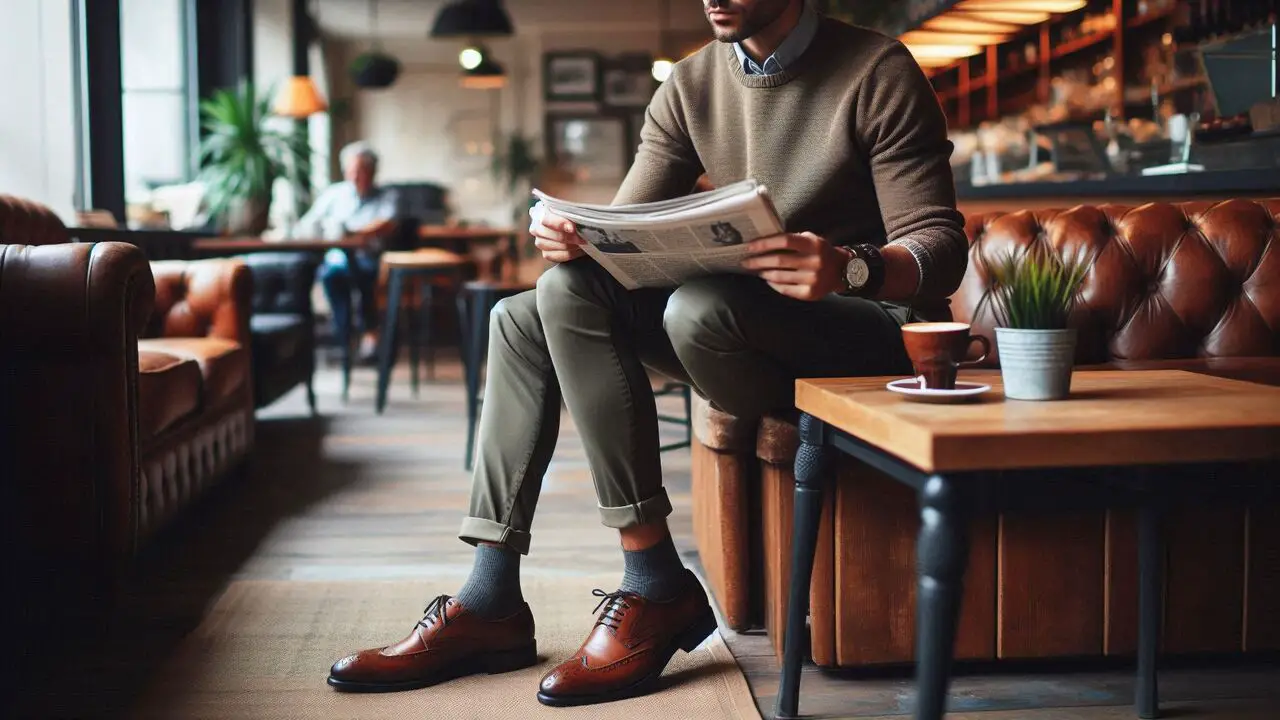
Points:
x=265, y=649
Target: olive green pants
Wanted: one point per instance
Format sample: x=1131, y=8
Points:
x=581, y=337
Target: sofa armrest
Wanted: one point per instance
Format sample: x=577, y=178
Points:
x=70, y=315
x=202, y=298
x=282, y=282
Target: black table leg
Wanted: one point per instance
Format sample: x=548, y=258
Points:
x=1149, y=572
x=395, y=294
x=813, y=472
x=942, y=552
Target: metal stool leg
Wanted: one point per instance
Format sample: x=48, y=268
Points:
x=481, y=302
x=395, y=295
x=424, y=317
x=415, y=331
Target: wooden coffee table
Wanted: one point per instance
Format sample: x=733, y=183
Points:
x=1129, y=422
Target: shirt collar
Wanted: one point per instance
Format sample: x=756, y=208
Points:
x=789, y=51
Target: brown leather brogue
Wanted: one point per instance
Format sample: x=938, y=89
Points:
x=629, y=646
x=448, y=642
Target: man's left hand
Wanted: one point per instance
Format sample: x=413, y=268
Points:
x=799, y=265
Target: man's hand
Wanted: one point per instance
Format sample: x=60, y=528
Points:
x=799, y=265
x=553, y=235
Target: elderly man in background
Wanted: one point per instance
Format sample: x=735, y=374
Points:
x=359, y=207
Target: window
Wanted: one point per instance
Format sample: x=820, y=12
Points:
x=159, y=137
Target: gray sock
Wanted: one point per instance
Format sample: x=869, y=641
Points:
x=493, y=589
x=655, y=573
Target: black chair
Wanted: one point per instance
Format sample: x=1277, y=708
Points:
x=283, y=325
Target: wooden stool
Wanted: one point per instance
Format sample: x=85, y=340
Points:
x=423, y=266
x=475, y=302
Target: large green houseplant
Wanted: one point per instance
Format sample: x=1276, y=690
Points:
x=514, y=166
x=1031, y=296
x=241, y=156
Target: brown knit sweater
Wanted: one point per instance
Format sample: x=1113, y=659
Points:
x=850, y=140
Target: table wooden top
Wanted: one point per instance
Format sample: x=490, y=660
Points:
x=253, y=244
x=1121, y=417
x=446, y=232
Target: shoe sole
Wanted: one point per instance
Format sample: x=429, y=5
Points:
x=688, y=640
x=491, y=664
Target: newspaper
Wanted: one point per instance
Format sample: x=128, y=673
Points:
x=663, y=244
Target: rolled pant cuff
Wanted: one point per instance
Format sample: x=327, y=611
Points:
x=477, y=530
x=645, y=511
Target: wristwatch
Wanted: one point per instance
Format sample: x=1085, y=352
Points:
x=864, y=273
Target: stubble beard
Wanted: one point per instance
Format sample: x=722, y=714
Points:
x=761, y=16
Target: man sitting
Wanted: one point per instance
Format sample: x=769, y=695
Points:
x=355, y=207
x=844, y=129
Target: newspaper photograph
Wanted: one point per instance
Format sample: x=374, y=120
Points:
x=663, y=244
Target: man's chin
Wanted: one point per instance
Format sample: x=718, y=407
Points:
x=726, y=36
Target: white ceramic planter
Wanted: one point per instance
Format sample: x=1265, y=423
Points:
x=1036, y=364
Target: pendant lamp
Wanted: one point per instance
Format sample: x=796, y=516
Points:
x=472, y=18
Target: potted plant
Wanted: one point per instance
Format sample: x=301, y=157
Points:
x=514, y=166
x=1031, y=298
x=242, y=155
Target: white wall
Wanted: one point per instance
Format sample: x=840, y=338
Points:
x=272, y=42
x=37, y=130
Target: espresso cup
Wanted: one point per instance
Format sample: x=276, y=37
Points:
x=937, y=350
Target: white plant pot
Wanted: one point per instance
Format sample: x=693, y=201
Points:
x=1036, y=364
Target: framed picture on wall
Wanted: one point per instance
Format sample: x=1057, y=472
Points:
x=628, y=81
x=572, y=75
x=591, y=148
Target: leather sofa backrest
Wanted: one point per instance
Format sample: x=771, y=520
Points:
x=191, y=299
x=1166, y=281
x=23, y=222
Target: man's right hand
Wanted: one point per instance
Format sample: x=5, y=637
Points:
x=553, y=235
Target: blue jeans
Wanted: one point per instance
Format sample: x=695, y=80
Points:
x=338, y=278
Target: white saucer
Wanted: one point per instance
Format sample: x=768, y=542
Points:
x=963, y=391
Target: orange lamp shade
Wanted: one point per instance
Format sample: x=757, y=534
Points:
x=298, y=98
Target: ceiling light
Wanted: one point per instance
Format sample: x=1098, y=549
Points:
x=472, y=18
x=951, y=52
x=298, y=98
x=954, y=23
x=934, y=62
x=488, y=75
x=1049, y=6
x=470, y=58
x=927, y=37
x=1016, y=17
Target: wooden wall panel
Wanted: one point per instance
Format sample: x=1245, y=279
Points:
x=877, y=520
x=1204, y=601
x=1262, y=603
x=875, y=538
x=1051, y=584
x=1120, y=623
x=1204, y=582
x=777, y=490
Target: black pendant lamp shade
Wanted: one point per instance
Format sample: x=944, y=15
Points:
x=472, y=18
x=375, y=69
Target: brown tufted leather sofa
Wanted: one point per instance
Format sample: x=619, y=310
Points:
x=126, y=392
x=1193, y=286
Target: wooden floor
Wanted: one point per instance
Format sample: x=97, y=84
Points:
x=353, y=495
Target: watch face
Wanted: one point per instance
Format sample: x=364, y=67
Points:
x=857, y=273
